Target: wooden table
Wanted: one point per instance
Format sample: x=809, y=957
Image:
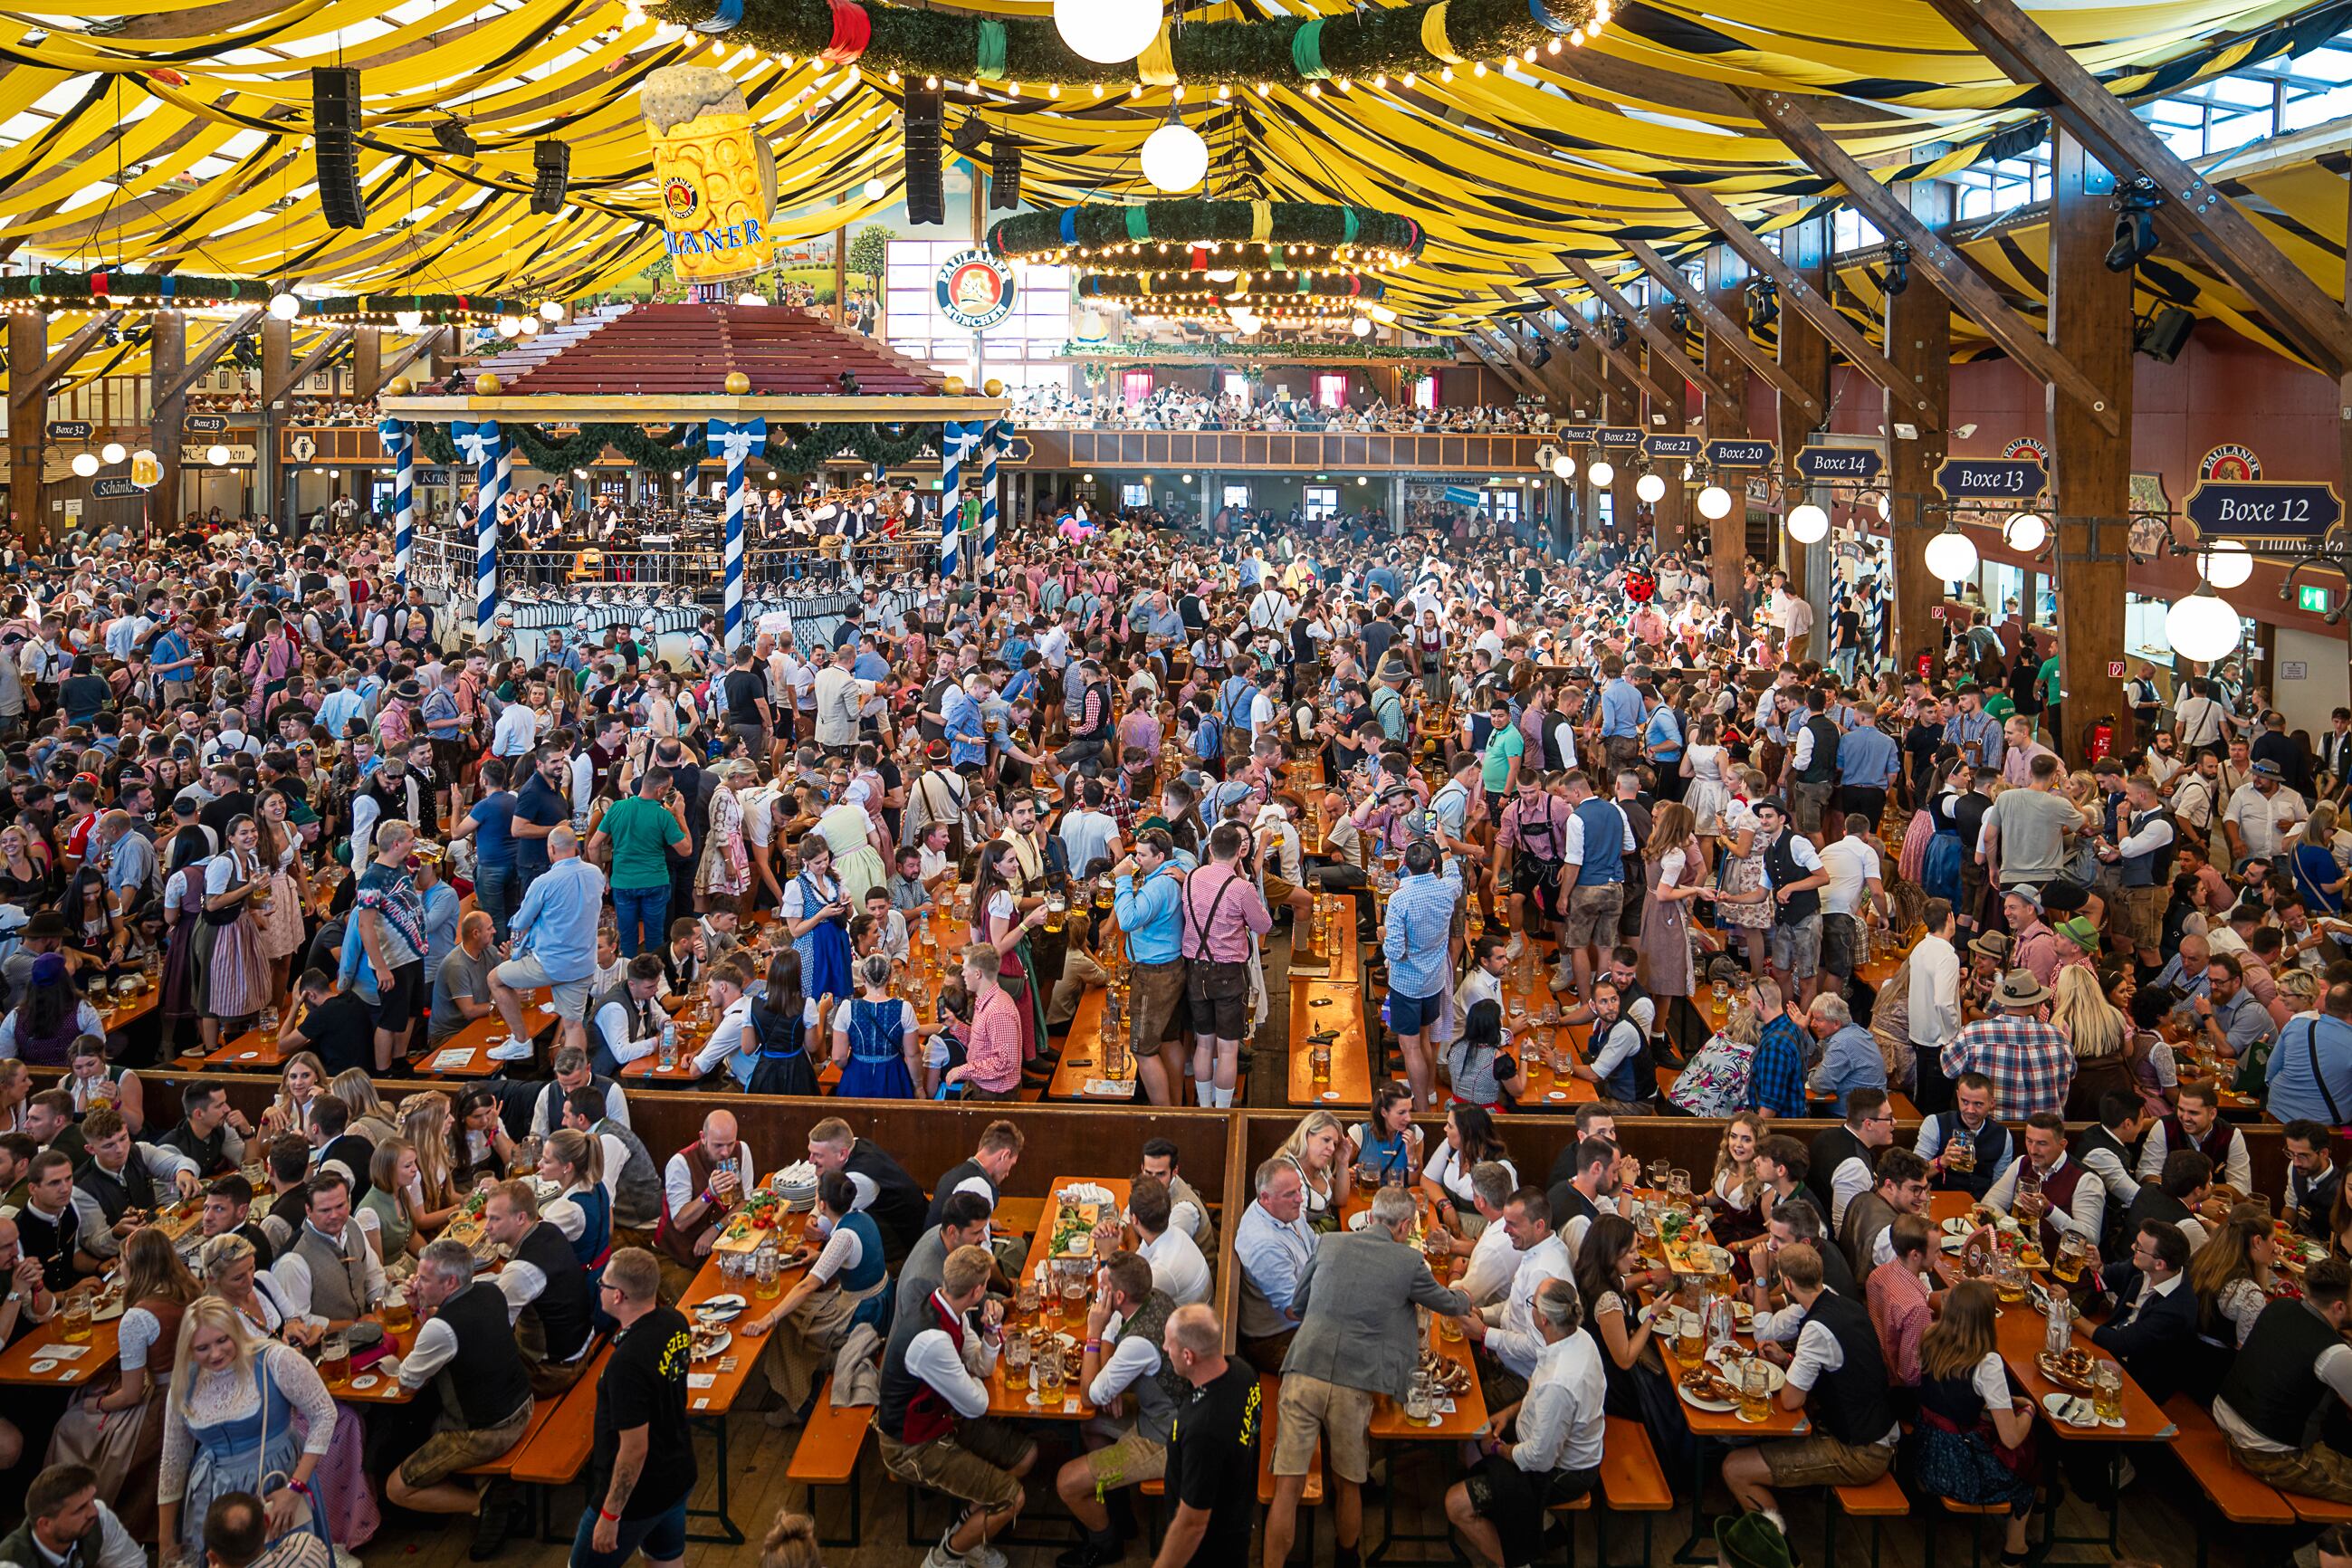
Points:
x=253, y=1051
x=386, y=1389
x=1345, y=964
x=1339, y=1006
x=1012, y=1399
x=1081, y=1061
x=39, y=1342
x=475, y=1040
x=121, y=1014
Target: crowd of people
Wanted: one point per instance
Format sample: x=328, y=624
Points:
x=1171, y=405
x=1773, y=877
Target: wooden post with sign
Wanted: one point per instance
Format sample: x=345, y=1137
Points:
x=1727, y=542
x=1669, y=519
x=29, y=404
x=169, y=349
x=1805, y=355
x=2090, y=324
x=1919, y=343
x=1620, y=405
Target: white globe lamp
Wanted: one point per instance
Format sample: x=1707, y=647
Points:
x=548, y=311
x=217, y=455
x=1808, y=524
x=530, y=325
x=2201, y=627
x=1175, y=158
x=1604, y=474
x=1107, y=32
x=509, y=326
x=2227, y=565
x=408, y=320
x=1563, y=466
x=876, y=188
x=1715, y=503
x=1951, y=556
x=285, y=306
x=2027, y=532
x=1651, y=489
x=113, y=451
x=1361, y=327
x=85, y=464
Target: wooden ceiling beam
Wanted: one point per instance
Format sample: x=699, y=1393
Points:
x=1734, y=335
x=1630, y=366
x=1662, y=344
x=201, y=359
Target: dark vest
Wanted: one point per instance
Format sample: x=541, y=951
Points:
x=133, y=1188
x=2153, y=869
x=948, y=1183
x=1865, y=1218
x=910, y=1410
x=290, y=1209
x=1160, y=1396
x=2214, y=1146
x=551, y=1097
x=1780, y=867
x=2153, y=1204
x=637, y=1195
x=564, y=1307
x=356, y=1154
x=2090, y=1139
x=1831, y=1150
x=2059, y=1186
x=1823, y=767
x=646, y=1022
x=338, y=1273
x=2271, y=1384
x=1991, y=1143
x=211, y=1154
x=898, y=1204
x=17, y=1546
x=53, y=1243
x=1851, y=1402
x=485, y=1381
x=1604, y=840
x=2313, y=1201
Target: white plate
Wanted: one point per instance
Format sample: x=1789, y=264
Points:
x=1360, y=1219
x=1714, y=1406
x=365, y=1381
x=43, y=1368
x=1556, y=1094
x=719, y=1347
x=1957, y=1225
x=1955, y=1245
x=721, y=1308
x=1085, y=1193
x=2065, y=1409
x=248, y=1056
x=1774, y=1377
x=1674, y=1322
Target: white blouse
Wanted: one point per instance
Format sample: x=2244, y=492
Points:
x=218, y=1397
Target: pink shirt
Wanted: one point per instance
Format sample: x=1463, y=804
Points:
x=1218, y=920
x=1899, y=1310
x=993, y=1054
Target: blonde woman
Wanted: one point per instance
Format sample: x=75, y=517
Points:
x=2097, y=1031
x=1736, y=1193
x=1313, y=1149
x=299, y=1083
x=1717, y=1081
x=726, y=864
x=230, y=1424
x=426, y=1120
x=113, y=1426
x=372, y=1119
x=391, y=1204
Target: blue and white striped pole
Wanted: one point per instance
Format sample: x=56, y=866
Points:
x=480, y=445
x=737, y=441
x=400, y=446
x=992, y=436
x=951, y=441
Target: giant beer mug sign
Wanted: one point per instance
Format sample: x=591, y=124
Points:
x=713, y=173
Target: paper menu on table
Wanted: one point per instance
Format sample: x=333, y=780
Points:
x=455, y=1058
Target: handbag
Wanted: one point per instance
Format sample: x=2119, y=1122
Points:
x=314, y=1519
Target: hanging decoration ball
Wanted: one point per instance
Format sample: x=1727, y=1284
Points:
x=486, y=385
x=1175, y=158
x=1715, y=503
x=217, y=455
x=1107, y=31
x=1604, y=474
x=401, y=386
x=530, y=325
x=509, y=326
x=876, y=188
x=1808, y=524
x=2228, y=565
x=85, y=464
x=1362, y=326
x=1641, y=584
x=548, y=311
x=2202, y=626
x=285, y=306
x=1951, y=556
x=408, y=320
x=114, y=451
x=952, y=387
x=992, y=387
x=2026, y=533
x=1563, y=466
x=1651, y=489
x=738, y=383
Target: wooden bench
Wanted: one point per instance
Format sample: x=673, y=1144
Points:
x=1632, y=1481
x=1881, y=1500
x=1977, y=1513
x=555, y=1443
x=2238, y=1496
x=830, y=1445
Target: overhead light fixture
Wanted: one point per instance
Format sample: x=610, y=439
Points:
x=1650, y=488
x=218, y=455
x=2137, y=200
x=2201, y=627
x=408, y=320
x=1361, y=327
x=1174, y=157
x=113, y=452
x=1898, y=266
x=1715, y=503
x=2026, y=533
x=876, y=188
x=1951, y=556
x=1604, y=474
x=1563, y=466
x=285, y=306
x=1107, y=32
x=548, y=311
x=1808, y=524
x=2228, y=565
x=85, y=464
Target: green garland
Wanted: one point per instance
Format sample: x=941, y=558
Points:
x=166, y=290
x=1298, y=236
x=963, y=47
x=793, y=450
x=1149, y=352
x=1194, y=288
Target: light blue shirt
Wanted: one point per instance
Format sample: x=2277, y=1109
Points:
x=961, y=716
x=1868, y=756
x=1850, y=1060
x=1620, y=709
x=1273, y=1255
x=338, y=710
x=2293, y=1090
x=1150, y=914
x=441, y=913
x=1420, y=917
x=557, y=922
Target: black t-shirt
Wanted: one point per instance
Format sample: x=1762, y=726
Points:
x=746, y=689
x=1213, y=1459
x=225, y=809
x=643, y=1385
x=341, y=1032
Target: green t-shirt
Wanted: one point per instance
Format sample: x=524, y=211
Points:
x=2053, y=686
x=642, y=831
x=1501, y=747
x=1998, y=705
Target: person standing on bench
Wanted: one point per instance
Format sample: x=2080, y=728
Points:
x=1135, y=1361
x=464, y=1341
x=1837, y=1377
x=933, y=1423
x=642, y=1469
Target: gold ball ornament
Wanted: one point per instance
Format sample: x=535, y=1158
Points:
x=993, y=387
x=738, y=383
x=401, y=386
x=952, y=387
x=486, y=385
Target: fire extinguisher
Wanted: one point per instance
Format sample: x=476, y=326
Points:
x=2103, y=736
x=1925, y=665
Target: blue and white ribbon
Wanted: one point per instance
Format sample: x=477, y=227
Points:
x=995, y=432
x=739, y=441
x=400, y=446
x=955, y=434
x=479, y=445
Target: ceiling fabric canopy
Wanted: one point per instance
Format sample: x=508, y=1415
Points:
x=162, y=135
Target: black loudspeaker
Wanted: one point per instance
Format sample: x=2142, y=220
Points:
x=926, y=201
x=550, y=165
x=335, y=118
x=969, y=135
x=453, y=138
x=2164, y=333
x=1004, y=179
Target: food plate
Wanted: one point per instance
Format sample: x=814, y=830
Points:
x=1743, y=1315
x=1675, y=1322
x=1702, y=1388
x=2072, y=1373
x=1085, y=1193
x=2069, y=1410
x=709, y=1339
x=719, y=1308
x=1957, y=1225
x=1360, y=1219
x=365, y=1381
x=1733, y=1361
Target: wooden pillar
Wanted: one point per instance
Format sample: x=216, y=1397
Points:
x=276, y=402
x=1919, y=343
x=28, y=412
x=1727, y=542
x=2091, y=324
x=1670, y=518
x=1805, y=355
x=367, y=362
x=166, y=423
x=1620, y=405
x=840, y=276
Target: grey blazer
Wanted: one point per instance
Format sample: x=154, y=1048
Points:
x=1357, y=1328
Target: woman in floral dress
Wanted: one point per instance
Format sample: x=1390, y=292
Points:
x=726, y=865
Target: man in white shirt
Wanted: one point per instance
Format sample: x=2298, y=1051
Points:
x=1555, y=1453
x=516, y=731
x=1854, y=871
x=2263, y=814
x=1177, y=1265
x=327, y=1232
x=939, y=1435
x=838, y=695
x=2196, y=1123
x=692, y=1210
x=1934, y=1020
x=1495, y=1258
x=1508, y=1332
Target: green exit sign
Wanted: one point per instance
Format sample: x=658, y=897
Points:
x=2311, y=596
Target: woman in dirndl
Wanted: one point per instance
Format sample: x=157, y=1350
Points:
x=781, y=1021
x=1974, y=1440
x=232, y=977
x=848, y=1286
x=875, y=1035
x=229, y=1426
x=995, y=918
x=116, y=1425
x=817, y=915
x=282, y=931
x=183, y=915
x=1743, y=902
x=726, y=865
